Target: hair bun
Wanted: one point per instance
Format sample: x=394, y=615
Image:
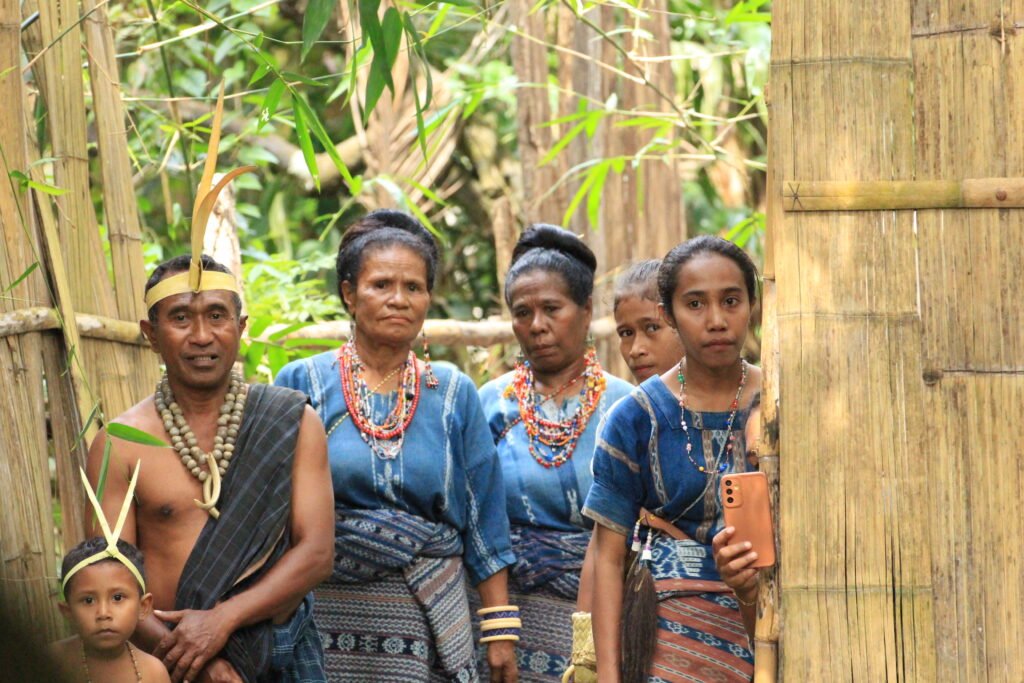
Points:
x=392, y=218
x=546, y=236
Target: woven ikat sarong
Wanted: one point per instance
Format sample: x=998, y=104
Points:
x=701, y=636
x=395, y=608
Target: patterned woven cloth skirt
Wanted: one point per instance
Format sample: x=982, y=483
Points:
x=545, y=644
x=377, y=632
x=701, y=638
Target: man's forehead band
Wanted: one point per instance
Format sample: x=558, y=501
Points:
x=196, y=279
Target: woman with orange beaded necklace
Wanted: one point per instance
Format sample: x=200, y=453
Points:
x=417, y=484
x=544, y=417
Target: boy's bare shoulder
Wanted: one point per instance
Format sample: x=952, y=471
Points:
x=151, y=668
x=67, y=654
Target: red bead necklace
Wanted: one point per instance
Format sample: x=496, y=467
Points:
x=384, y=439
x=560, y=436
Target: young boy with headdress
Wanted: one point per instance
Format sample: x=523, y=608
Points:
x=103, y=589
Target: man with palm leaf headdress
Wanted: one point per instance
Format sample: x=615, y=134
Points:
x=232, y=549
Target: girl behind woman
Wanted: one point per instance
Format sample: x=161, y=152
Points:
x=648, y=344
x=665, y=449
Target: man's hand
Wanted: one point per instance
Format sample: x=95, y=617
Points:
x=219, y=671
x=501, y=659
x=197, y=638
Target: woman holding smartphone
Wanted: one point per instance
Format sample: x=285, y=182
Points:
x=665, y=449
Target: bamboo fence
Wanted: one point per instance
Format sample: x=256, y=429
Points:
x=894, y=341
x=62, y=381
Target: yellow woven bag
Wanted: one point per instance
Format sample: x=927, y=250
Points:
x=583, y=668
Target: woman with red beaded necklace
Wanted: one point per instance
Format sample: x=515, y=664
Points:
x=687, y=610
x=417, y=484
x=544, y=417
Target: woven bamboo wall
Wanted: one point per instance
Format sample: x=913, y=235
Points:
x=900, y=342
x=61, y=386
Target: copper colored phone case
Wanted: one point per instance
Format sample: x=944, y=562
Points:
x=747, y=508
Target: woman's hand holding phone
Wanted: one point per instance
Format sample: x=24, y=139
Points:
x=735, y=564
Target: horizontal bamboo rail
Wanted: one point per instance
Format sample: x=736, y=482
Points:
x=445, y=332
x=882, y=195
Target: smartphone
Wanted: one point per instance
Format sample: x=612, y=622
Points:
x=748, y=509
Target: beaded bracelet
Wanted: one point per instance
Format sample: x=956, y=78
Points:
x=744, y=602
x=499, y=623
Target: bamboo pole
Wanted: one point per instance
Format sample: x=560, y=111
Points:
x=973, y=193
x=119, y=202
x=766, y=631
x=54, y=258
x=445, y=332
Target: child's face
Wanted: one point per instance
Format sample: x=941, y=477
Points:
x=104, y=605
x=647, y=343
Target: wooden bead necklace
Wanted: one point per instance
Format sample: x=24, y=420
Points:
x=560, y=436
x=720, y=463
x=385, y=439
x=184, y=441
x=131, y=653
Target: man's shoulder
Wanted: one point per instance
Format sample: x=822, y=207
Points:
x=273, y=399
x=140, y=414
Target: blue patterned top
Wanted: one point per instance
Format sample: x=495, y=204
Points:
x=447, y=470
x=641, y=461
x=538, y=496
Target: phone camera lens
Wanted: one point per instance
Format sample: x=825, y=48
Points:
x=729, y=499
x=728, y=482
x=728, y=492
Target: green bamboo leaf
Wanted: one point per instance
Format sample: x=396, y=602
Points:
x=305, y=80
x=318, y=13
x=277, y=358
x=306, y=144
x=21, y=278
x=391, y=30
x=561, y=144
x=421, y=106
x=261, y=71
x=317, y=127
x=596, y=193
x=86, y=423
x=127, y=433
x=375, y=84
x=52, y=190
x=270, y=102
x=374, y=32
x=101, y=481
x=580, y=195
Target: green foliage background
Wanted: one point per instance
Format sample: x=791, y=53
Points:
x=285, y=69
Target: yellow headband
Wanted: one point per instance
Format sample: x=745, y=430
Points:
x=111, y=552
x=196, y=280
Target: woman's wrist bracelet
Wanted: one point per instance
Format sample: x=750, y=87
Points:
x=499, y=623
x=744, y=602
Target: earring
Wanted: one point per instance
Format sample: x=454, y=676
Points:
x=590, y=340
x=352, y=332
x=428, y=372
